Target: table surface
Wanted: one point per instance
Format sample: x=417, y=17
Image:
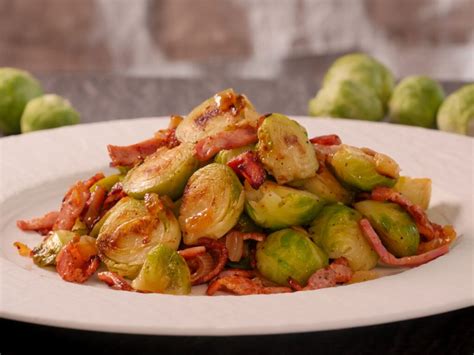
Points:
x=100, y=97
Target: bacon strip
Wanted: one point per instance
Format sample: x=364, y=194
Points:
x=221, y=254
x=237, y=272
x=94, y=205
x=73, y=204
x=115, y=194
x=207, y=147
x=78, y=260
x=115, y=281
x=241, y=285
x=387, y=258
x=249, y=167
x=192, y=252
x=330, y=139
x=42, y=225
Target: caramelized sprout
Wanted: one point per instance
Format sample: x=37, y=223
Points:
x=45, y=254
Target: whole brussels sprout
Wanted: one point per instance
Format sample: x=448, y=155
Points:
x=363, y=69
x=48, y=111
x=396, y=228
x=289, y=253
x=226, y=155
x=417, y=190
x=456, y=114
x=284, y=149
x=224, y=110
x=17, y=87
x=275, y=207
x=357, y=169
x=212, y=203
x=131, y=229
x=347, y=99
x=415, y=101
x=164, y=172
x=164, y=271
x=45, y=254
x=336, y=229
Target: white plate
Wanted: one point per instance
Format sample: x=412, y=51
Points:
x=37, y=168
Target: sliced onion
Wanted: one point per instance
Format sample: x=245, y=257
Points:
x=234, y=243
x=200, y=266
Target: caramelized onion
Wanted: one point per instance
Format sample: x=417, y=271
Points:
x=200, y=266
x=234, y=243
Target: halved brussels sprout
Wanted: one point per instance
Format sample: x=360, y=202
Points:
x=131, y=229
x=212, y=203
x=355, y=168
x=107, y=182
x=394, y=225
x=284, y=149
x=289, y=253
x=45, y=254
x=336, y=229
x=165, y=172
x=274, y=206
x=325, y=185
x=79, y=227
x=417, y=190
x=224, y=110
x=224, y=156
x=164, y=271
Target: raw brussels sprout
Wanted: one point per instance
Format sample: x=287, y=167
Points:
x=363, y=69
x=107, y=182
x=164, y=271
x=394, y=225
x=336, y=229
x=45, y=254
x=17, y=87
x=284, y=149
x=325, y=185
x=274, y=206
x=456, y=114
x=415, y=101
x=417, y=190
x=131, y=229
x=355, y=168
x=347, y=99
x=289, y=253
x=224, y=110
x=165, y=172
x=212, y=203
x=48, y=111
x=224, y=156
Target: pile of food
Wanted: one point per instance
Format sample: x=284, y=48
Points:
x=242, y=202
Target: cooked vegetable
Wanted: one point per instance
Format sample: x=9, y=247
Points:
x=417, y=190
x=289, y=253
x=456, y=114
x=165, y=172
x=396, y=228
x=358, y=169
x=336, y=229
x=131, y=229
x=107, y=182
x=212, y=203
x=284, y=149
x=224, y=156
x=45, y=254
x=223, y=111
x=164, y=271
x=274, y=206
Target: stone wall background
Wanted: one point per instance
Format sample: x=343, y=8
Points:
x=244, y=38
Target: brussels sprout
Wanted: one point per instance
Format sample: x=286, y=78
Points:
x=45, y=254
x=131, y=229
x=363, y=69
x=347, y=99
x=246, y=225
x=107, y=182
x=289, y=253
x=17, y=87
x=48, y=111
x=165, y=172
x=224, y=156
x=212, y=203
x=326, y=186
x=456, y=114
x=355, y=168
x=395, y=227
x=274, y=206
x=284, y=149
x=164, y=271
x=415, y=101
x=417, y=190
x=224, y=110
x=79, y=227
x=336, y=230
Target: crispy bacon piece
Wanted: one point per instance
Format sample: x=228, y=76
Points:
x=94, y=205
x=78, y=260
x=115, y=194
x=207, y=147
x=220, y=254
x=324, y=153
x=190, y=253
x=73, y=204
x=241, y=285
x=115, y=281
x=387, y=258
x=42, y=225
x=249, y=167
x=237, y=272
x=330, y=139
